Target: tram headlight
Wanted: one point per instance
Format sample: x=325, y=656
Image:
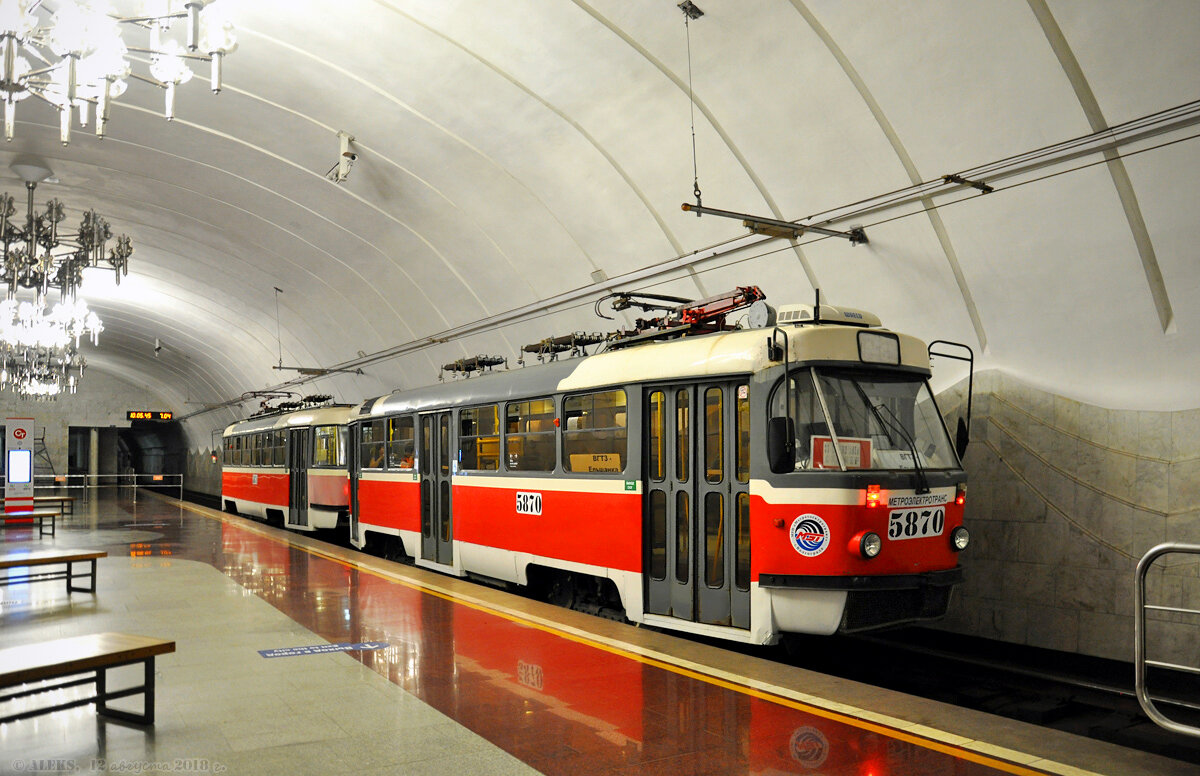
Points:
x=867, y=544
x=959, y=539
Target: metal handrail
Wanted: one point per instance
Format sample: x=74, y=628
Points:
x=89, y=482
x=1139, y=643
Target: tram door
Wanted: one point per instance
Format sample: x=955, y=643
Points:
x=298, y=452
x=354, y=462
x=437, y=532
x=697, y=503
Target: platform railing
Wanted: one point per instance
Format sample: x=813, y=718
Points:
x=1141, y=662
x=86, y=484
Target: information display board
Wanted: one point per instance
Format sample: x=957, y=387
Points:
x=18, y=473
x=149, y=415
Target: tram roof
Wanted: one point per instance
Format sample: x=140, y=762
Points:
x=731, y=353
x=316, y=416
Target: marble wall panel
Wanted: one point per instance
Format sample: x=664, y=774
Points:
x=1094, y=424
x=1184, y=485
x=1031, y=583
x=1077, y=501
x=1052, y=628
x=1150, y=486
x=1185, y=434
x=1106, y=635
x=1123, y=431
x=1066, y=415
x=1155, y=438
x=1040, y=542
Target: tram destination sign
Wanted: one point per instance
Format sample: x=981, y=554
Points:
x=149, y=415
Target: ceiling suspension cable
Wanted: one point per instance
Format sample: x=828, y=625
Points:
x=690, y=11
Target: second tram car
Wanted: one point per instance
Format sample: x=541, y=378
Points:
x=289, y=468
x=740, y=485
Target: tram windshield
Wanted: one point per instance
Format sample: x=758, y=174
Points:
x=879, y=421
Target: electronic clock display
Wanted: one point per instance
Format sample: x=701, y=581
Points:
x=149, y=415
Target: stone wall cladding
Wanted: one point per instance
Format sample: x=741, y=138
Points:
x=1064, y=499
x=102, y=402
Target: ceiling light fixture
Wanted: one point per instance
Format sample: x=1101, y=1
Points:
x=43, y=254
x=77, y=59
x=39, y=352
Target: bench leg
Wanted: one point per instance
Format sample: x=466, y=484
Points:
x=146, y=691
x=71, y=577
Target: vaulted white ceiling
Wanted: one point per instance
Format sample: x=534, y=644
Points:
x=518, y=158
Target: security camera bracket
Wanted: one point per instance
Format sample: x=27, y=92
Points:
x=346, y=157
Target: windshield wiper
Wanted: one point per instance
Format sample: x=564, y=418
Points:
x=922, y=480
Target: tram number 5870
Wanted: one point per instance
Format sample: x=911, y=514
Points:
x=916, y=524
x=529, y=503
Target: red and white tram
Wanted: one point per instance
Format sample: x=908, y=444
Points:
x=289, y=468
x=739, y=485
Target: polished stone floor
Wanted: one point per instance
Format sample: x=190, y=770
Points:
x=456, y=678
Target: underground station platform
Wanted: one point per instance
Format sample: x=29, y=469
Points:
x=290, y=655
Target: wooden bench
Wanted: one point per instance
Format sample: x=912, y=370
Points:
x=94, y=655
x=26, y=558
x=66, y=504
x=39, y=516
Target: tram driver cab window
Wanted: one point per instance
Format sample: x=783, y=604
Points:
x=805, y=411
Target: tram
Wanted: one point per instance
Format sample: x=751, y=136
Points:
x=289, y=468
x=740, y=484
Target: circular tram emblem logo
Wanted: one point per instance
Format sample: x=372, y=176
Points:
x=809, y=535
x=809, y=747
x=19, y=433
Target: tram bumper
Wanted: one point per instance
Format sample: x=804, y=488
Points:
x=847, y=604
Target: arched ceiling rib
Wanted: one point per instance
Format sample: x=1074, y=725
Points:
x=1116, y=168
x=517, y=160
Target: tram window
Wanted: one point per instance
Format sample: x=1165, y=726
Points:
x=479, y=438
x=683, y=530
x=658, y=534
x=682, y=435
x=444, y=458
x=370, y=449
x=714, y=539
x=425, y=459
x=400, y=443
x=595, y=438
x=742, y=570
x=238, y=445
x=326, y=447
x=256, y=443
x=227, y=451
x=656, y=437
x=529, y=435
x=281, y=448
x=742, y=434
x=806, y=413
x=714, y=436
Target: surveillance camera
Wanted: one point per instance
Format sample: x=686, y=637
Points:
x=351, y=156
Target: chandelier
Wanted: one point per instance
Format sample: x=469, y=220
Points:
x=39, y=351
x=77, y=59
x=43, y=253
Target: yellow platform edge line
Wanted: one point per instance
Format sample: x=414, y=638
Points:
x=954, y=750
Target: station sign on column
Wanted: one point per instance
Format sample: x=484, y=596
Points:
x=18, y=464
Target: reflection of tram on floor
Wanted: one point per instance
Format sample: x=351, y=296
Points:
x=684, y=481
